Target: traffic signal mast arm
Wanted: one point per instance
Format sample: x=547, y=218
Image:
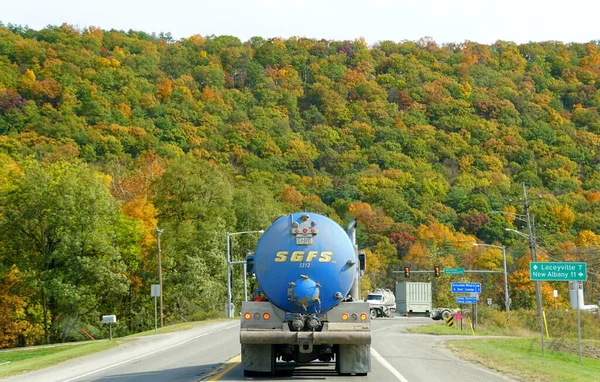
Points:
x=465, y=271
x=436, y=271
x=483, y=271
x=412, y=272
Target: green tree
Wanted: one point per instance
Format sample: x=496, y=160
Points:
x=57, y=223
x=195, y=200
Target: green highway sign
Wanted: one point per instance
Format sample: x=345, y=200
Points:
x=565, y=271
x=454, y=271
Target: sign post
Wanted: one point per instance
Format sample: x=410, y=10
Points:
x=578, y=322
x=155, y=292
x=561, y=271
x=473, y=288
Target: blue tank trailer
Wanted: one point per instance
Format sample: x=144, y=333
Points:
x=308, y=270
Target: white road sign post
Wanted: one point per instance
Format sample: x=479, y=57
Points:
x=578, y=322
x=155, y=292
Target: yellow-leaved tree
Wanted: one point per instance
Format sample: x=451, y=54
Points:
x=564, y=216
x=374, y=267
x=587, y=238
x=15, y=328
x=437, y=244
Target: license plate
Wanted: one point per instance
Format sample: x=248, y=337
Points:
x=304, y=240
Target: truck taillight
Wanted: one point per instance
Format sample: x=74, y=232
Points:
x=345, y=316
x=266, y=316
x=247, y=316
x=363, y=316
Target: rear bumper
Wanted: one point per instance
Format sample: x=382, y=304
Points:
x=255, y=330
x=270, y=336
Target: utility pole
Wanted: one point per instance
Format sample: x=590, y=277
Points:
x=158, y=232
x=532, y=249
x=229, y=302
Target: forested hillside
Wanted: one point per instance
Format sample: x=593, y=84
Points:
x=107, y=135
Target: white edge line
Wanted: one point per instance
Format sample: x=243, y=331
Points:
x=387, y=365
x=147, y=354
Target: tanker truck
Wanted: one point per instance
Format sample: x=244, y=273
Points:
x=382, y=303
x=307, y=268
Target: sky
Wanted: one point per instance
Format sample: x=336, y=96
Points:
x=444, y=21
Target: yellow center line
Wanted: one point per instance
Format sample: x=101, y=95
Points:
x=222, y=370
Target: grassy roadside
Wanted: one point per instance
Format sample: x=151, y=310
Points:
x=17, y=361
x=522, y=356
x=22, y=361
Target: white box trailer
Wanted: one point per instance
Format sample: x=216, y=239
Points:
x=413, y=297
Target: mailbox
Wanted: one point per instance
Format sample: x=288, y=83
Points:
x=111, y=319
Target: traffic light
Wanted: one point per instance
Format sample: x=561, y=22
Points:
x=436, y=271
x=362, y=262
x=406, y=272
x=250, y=263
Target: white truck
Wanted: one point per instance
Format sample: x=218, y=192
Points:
x=413, y=298
x=382, y=303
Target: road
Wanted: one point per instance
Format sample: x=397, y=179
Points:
x=210, y=352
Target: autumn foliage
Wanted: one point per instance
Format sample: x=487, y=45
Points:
x=106, y=136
